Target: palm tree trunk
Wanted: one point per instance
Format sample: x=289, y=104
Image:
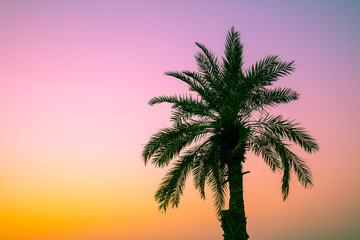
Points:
x=233, y=220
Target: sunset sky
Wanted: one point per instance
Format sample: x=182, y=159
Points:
x=75, y=79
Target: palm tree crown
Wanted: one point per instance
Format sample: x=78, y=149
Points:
x=225, y=116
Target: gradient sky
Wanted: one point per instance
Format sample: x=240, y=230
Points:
x=75, y=78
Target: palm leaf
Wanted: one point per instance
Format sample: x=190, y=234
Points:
x=271, y=97
x=173, y=184
x=266, y=71
x=168, y=142
x=289, y=130
x=233, y=60
x=261, y=147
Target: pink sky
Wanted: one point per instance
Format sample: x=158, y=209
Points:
x=75, y=78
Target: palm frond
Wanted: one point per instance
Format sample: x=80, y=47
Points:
x=193, y=83
x=184, y=107
x=271, y=98
x=289, y=161
x=261, y=147
x=173, y=184
x=286, y=160
x=266, y=71
x=199, y=78
x=285, y=181
x=168, y=142
x=206, y=159
x=210, y=66
x=301, y=170
x=218, y=188
x=233, y=60
x=200, y=174
x=289, y=130
x=216, y=180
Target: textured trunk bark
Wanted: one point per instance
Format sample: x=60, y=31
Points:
x=233, y=220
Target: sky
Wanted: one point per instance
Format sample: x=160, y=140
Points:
x=75, y=79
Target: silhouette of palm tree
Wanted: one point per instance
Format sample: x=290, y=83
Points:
x=213, y=129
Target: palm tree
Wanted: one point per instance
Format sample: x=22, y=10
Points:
x=225, y=116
